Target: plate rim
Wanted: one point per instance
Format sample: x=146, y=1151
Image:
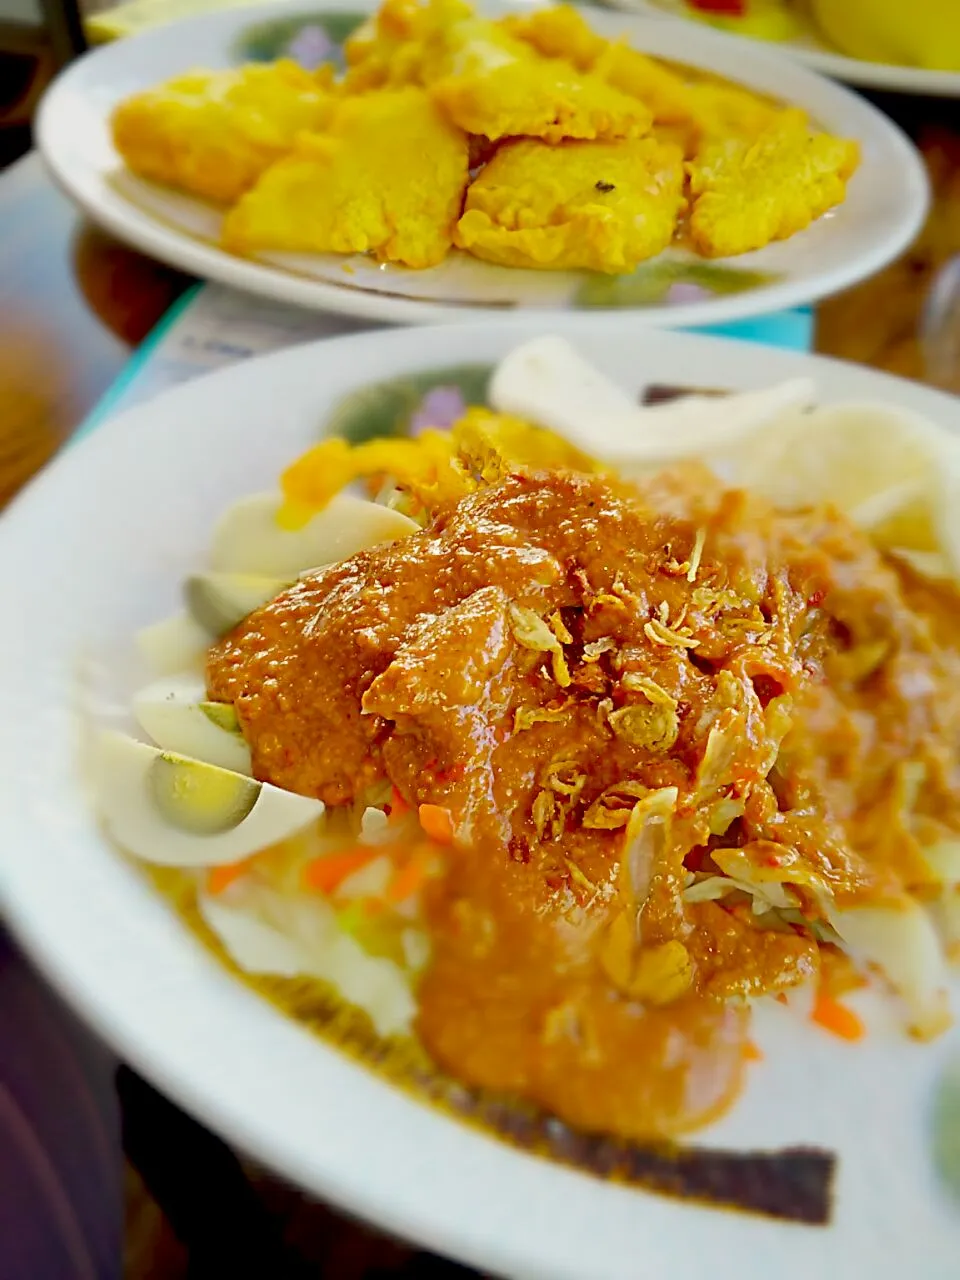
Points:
x=887, y=76
x=86, y=187
x=462, y=1237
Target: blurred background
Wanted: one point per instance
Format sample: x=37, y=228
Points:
x=35, y=38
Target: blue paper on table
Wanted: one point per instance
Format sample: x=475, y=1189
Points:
x=212, y=326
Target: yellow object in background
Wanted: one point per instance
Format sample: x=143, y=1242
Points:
x=913, y=33
x=776, y=20
x=138, y=15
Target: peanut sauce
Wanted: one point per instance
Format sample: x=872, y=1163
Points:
x=556, y=656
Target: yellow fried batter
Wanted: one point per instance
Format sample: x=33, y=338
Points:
x=491, y=84
x=579, y=142
x=485, y=80
x=539, y=98
x=591, y=205
x=724, y=109
x=688, y=111
x=387, y=178
x=557, y=32
x=562, y=32
x=388, y=49
x=213, y=133
x=750, y=193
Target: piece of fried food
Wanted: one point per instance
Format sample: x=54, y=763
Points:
x=600, y=206
x=557, y=32
x=540, y=99
x=213, y=133
x=720, y=110
x=386, y=178
x=748, y=193
x=487, y=81
x=562, y=32
x=387, y=50
x=491, y=84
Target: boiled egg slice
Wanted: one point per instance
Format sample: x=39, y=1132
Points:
x=249, y=540
x=179, y=717
x=170, y=809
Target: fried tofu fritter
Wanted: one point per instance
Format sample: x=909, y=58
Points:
x=559, y=31
x=387, y=178
x=579, y=142
x=213, y=133
x=387, y=50
x=492, y=84
x=749, y=193
x=722, y=110
x=588, y=205
x=487, y=81
x=539, y=98
x=562, y=32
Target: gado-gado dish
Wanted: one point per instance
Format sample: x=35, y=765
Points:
x=544, y=743
x=526, y=141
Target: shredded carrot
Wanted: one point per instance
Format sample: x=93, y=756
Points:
x=407, y=880
x=752, y=1052
x=327, y=874
x=437, y=823
x=837, y=1018
x=398, y=806
x=221, y=878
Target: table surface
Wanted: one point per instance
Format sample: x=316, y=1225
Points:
x=73, y=305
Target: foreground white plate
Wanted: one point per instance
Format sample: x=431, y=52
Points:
x=813, y=51
x=884, y=209
x=94, y=549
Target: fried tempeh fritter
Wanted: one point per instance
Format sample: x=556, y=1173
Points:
x=213, y=133
x=748, y=193
x=387, y=178
x=598, y=206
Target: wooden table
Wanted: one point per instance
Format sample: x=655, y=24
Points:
x=74, y=303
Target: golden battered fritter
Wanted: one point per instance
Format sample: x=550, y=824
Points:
x=491, y=84
x=378, y=160
x=597, y=206
x=486, y=81
x=557, y=32
x=387, y=178
x=540, y=99
x=562, y=32
x=388, y=48
x=722, y=110
x=747, y=194
x=213, y=133
x=689, y=111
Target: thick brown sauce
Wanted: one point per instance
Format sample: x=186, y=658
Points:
x=405, y=662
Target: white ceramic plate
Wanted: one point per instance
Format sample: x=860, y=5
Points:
x=95, y=548
x=811, y=50
x=884, y=209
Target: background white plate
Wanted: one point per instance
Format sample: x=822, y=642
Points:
x=885, y=206
x=95, y=548
x=814, y=52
